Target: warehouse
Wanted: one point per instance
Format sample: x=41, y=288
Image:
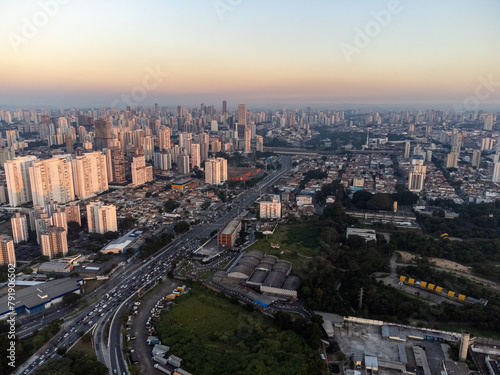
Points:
x=266, y=273
x=37, y=298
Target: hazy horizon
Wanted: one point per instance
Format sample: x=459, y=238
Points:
x=285, y=53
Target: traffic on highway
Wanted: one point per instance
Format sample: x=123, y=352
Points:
x=138, y=277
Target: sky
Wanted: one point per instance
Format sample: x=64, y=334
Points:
x=75, y=53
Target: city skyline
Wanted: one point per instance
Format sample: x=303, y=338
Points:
x=371, y=53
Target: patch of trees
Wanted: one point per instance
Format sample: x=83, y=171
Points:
x=171, y=205
x=126, y=223
x=256, y=346
x=73, y=363
x=365, y=200
x=181, y=227
x=154, y=244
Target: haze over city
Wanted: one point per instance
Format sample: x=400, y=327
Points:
x=249, y=187
x=263, y=53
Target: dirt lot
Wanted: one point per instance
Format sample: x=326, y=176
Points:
x=443, y=263
x=449, y=265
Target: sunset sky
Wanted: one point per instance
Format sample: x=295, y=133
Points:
x=282, y=52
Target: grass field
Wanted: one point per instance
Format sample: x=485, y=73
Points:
x=206, y=314
x=298, y=243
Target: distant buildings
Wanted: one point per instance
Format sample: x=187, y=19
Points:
x=452, y=160
x=101, y=218
x=7, y=253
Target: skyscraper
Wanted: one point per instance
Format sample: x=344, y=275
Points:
x=195, y=155
x=248, y=140
x=90, y=174
x=101, y=218
x=19, y=227
x=224, y=106
x=103, y=134
x=18, y=180
x=54, y=241
x=7, y=253
x=52, y=179
x=242, y=114
x=164, y=137
x=118, y=165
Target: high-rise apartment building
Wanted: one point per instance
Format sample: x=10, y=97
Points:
x=270, y=207
x=416, y=178
x=259, y=143
x=216, y=171
x=73, y=213
x=101, y=218
x=183, y=163
x=54, y=241
x=19, y=227
x=476, y=158
x=242, y=114
x=117, y=160
x=103, y=134
x=59, y=218
x=140, y=172
x=452, y=160
x=52, y=179
x=407, y=149
x=7, y=253
x=90, y=174
x=195, y=155
x=496, y=172
x=248, y=140
x=164, y=138
x=18, y=180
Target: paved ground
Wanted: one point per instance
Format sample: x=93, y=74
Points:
x=139, y=325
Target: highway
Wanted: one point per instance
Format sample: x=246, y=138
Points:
x=131, y=279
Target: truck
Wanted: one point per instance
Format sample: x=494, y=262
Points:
x=160, y=360
x=162, y=369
